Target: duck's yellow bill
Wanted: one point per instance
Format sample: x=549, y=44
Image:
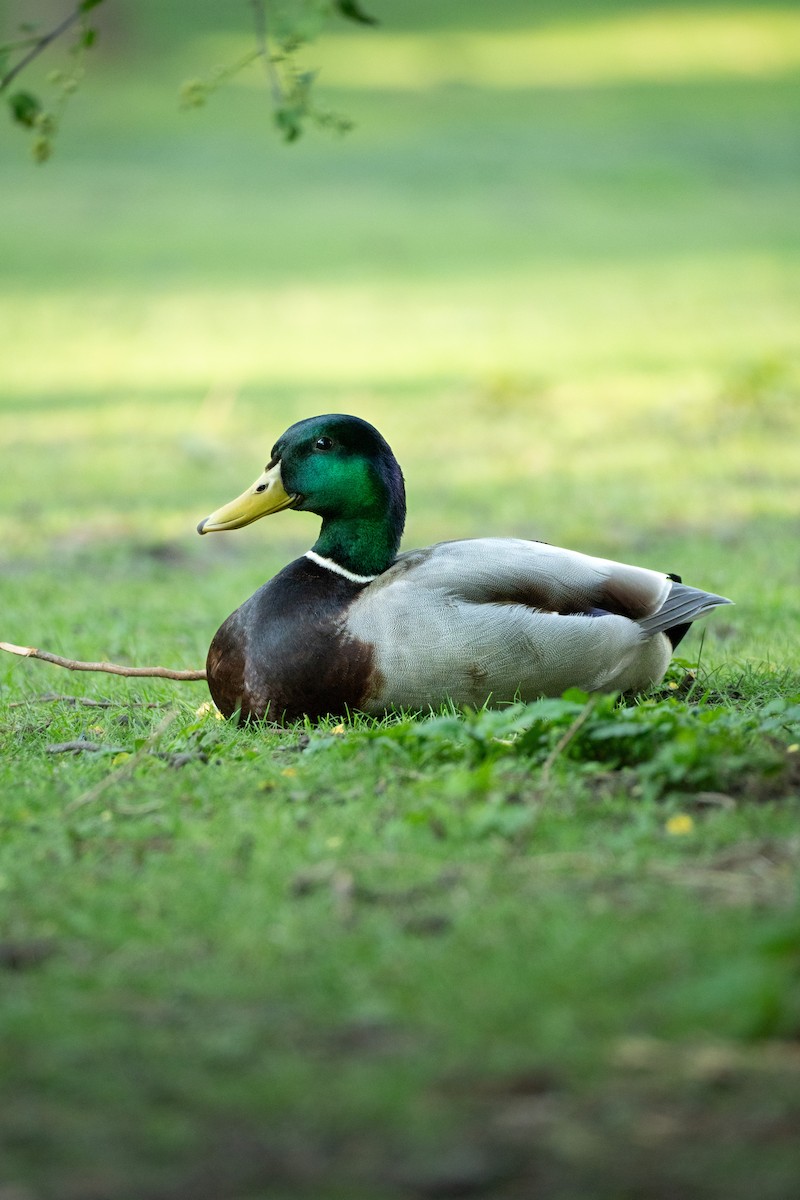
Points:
x=267, y=495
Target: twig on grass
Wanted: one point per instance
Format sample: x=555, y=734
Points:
x=72, y=664
x=125, y=768
x=81, y=747
x=565, y=739
x=141, y=810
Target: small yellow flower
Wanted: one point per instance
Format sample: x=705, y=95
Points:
x=208, y=707
x=289, y=772
x=338, y=730
x=333, y=843
x=795, y=746
x=679, y=825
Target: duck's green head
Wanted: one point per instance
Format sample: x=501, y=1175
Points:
x=341, y=468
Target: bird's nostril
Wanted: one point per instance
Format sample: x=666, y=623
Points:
x=262, y=487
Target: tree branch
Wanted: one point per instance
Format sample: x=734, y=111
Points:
x=72, y=664
x=262, y=39
x=39, y=45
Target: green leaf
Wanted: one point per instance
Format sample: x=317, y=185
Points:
x=42, y=148
x=88, y=38
x=25, y=108
x=86, y=5
x=289, y=121
x=353, y=12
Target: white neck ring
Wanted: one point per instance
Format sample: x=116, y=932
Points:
x=330, y=565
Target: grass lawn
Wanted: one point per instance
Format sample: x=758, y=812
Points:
x=551, y=951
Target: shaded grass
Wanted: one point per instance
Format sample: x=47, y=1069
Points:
x=336, y=986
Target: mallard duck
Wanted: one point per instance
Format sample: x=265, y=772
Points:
x=354, y=626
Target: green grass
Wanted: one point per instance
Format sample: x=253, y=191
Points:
x=547, y=952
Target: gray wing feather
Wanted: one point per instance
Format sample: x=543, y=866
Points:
x=543, y=577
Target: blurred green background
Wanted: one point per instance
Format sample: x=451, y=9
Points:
x=556, y=262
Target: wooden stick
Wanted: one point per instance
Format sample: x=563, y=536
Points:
x=565, y=739
x=72, y=664
x=125, y=768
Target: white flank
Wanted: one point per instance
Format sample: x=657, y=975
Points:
x=330, y=565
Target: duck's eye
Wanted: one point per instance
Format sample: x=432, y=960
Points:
x=323, y=443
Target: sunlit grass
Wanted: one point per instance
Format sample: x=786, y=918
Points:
x=590, y=415
x=586, y=319
x=654, y=46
